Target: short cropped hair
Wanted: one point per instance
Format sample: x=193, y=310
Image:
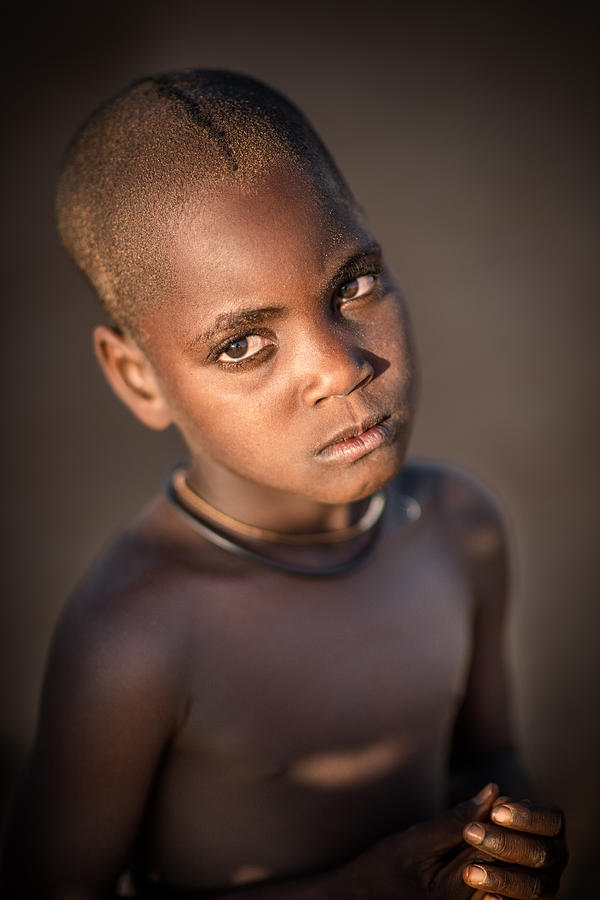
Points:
x=142, y=157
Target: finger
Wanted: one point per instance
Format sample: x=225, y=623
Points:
x=452, y=875
x=510, y=846
x=526, y=816
x=508, y=881
x=486, y=796
x=484, y=895
x=481, y=804
x=444, y=833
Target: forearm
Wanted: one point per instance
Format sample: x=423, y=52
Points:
x=321, y=887
x=364, y=878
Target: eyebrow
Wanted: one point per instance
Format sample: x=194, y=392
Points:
x=246, y=318
x=229, y=322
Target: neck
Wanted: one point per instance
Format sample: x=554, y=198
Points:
x=270, y=508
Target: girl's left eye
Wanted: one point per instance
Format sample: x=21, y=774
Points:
x=244, y=348
x=357, y=288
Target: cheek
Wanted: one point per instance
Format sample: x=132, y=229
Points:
x=239, y=426
x=390, y=336
x=410, y=352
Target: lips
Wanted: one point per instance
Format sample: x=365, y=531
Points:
x=353, y=431
x=358, y=440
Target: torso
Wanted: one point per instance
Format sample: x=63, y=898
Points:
x=318, y=711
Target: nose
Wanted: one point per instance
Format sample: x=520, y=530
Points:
x=334, y=366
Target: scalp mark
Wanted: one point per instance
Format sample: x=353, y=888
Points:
x=166, y=89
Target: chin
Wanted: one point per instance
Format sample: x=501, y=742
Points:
x=363, y=478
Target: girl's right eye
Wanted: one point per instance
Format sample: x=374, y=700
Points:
x=244, y=348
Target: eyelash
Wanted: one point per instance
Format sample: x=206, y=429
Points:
x=234, y=338
x=354, y=272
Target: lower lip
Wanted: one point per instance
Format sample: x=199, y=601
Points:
x=355, y=448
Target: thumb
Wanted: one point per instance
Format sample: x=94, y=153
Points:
x=477, y=808
x=437, y=836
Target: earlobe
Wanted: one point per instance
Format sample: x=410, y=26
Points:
x=131, y=376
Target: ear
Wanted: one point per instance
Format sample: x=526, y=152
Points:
x=131, y=376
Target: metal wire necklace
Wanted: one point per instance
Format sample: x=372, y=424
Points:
x=199, y=513
x=206, y=511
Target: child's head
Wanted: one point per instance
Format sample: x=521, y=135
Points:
x=140, y=162
x=249, y=300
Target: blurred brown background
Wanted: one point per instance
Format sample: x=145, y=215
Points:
x=469, y=133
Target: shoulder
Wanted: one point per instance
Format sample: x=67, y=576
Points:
x=148, y=598
x=461, y=504
x=123, y=632
x=453, y=486
x=146, y=574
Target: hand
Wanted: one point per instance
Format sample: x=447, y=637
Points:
x=425, y=861
x=528, y=841
x=434, y=855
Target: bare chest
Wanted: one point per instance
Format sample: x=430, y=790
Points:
x=312, y=703
x=308, y=666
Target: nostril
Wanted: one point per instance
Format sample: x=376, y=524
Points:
x=338, y=376
x=368, y=376
x=362, y=378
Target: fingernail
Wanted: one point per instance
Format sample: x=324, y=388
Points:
x=484, y=794
x=476, y=874
x=475, y=832
x=502, y=814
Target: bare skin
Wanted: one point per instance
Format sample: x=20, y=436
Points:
x=216, y=725
x=253, y=730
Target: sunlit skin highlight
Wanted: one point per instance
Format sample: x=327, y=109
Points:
x=348, y=767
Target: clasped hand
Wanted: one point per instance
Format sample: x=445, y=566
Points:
x=487, y=848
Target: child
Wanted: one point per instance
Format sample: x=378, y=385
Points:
x=262, y=683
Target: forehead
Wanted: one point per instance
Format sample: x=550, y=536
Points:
x=288, y=228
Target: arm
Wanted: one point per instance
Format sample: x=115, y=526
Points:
x=110, y=704
x=484, y=746
x=528, y=840
x=424, y=862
